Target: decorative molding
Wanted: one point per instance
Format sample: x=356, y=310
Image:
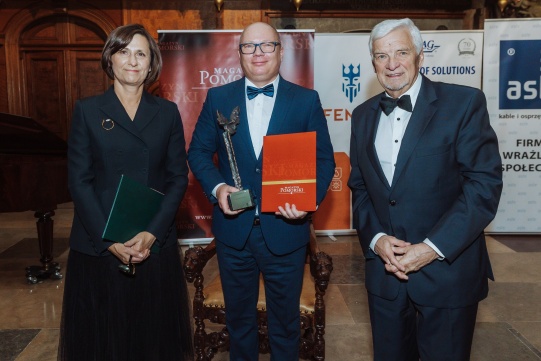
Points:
x=372, y=5
x=365, y=14
x=520, y=8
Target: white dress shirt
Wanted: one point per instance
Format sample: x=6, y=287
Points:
x=389, y=135
x=259, y=111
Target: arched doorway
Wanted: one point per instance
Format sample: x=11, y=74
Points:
x=53, y=60
x=61, y=63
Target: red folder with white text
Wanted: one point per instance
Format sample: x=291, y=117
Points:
x=289, y=171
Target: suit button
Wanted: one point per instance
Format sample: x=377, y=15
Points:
x=257, y=170
x=392, y=203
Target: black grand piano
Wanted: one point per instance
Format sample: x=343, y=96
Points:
x=33, y=176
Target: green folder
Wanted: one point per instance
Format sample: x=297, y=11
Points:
x=134, y=207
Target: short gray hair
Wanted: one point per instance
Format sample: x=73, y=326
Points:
x=385, y=27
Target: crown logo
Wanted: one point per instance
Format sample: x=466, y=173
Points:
x=351, y=85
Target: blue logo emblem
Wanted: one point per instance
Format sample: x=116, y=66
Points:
x=350, y=83
x=520, y=74
x=429, y=46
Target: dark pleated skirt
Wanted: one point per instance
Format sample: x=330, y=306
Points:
x=108, y=316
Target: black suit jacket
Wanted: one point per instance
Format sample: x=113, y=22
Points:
x=149, y=149
x=446, y=187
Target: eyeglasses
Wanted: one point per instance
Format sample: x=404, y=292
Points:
x=127, y=269
x=266, y=47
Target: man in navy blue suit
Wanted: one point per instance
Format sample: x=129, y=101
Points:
x=249, y=242
x=426, y=180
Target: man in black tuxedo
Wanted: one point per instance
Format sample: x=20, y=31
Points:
x=426, y=180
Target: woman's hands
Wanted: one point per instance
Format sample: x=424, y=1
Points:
x=138, y=248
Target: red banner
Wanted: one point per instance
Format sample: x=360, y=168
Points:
x=193, y=62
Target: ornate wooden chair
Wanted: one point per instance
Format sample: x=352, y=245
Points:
x=208, y=304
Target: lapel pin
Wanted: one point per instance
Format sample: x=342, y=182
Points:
x=107, y=124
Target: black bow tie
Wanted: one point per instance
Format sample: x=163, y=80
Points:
x=252, y=92
x=388, y=104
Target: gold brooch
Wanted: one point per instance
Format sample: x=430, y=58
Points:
x=107, y=124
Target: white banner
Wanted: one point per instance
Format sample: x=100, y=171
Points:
x=512, y=84
x=344, y=78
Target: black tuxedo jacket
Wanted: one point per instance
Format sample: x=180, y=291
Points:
x=446, y=187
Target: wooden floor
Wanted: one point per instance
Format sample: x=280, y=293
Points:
x=508, y=327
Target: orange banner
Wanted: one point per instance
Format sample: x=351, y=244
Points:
x=334, y=212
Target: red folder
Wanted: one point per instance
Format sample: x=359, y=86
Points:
x=289, y=171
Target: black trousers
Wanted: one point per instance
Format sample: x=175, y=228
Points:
x=405, y=331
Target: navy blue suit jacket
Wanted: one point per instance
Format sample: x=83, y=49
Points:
x=149, y=149
x=296, y=109
x=446, y=187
